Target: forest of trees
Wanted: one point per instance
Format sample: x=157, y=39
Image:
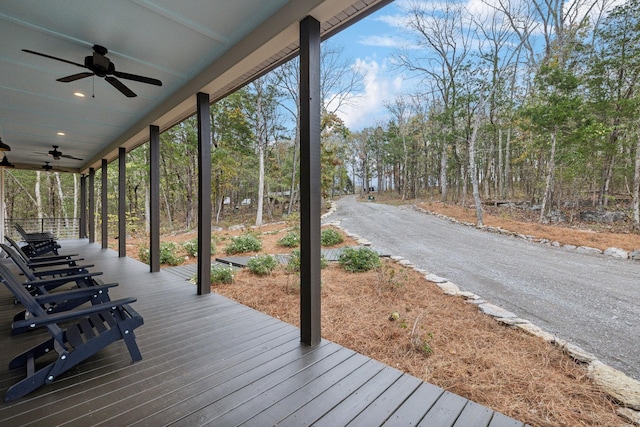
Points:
x=535, y=101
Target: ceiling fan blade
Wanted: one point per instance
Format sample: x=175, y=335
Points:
x=120, y=86
x=53, y=57
x=134, y=77
x=68, y=156
x=74, y=77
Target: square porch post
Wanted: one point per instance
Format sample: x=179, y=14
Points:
x=310, y=110
x=122, y=188
x=92, y=205
x=154, y=198
x=104, y=211
x=83, y=208
x=204, y=194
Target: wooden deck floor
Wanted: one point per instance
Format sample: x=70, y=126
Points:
x=210, y=361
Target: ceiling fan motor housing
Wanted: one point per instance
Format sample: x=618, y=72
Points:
x=99, y=64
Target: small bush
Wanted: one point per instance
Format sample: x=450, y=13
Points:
x=289, y=240
x=144, y=254
x=191, y=247
x=221, y=275
x=359, y=260
x=167, y=254
x=293, y=219
x=243, y=244
x=330, y=237
x=262, y=264
x=294, y=262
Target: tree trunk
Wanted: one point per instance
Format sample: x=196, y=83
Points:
x=75, y=196
x=261, y=135
x=444, y=160
x=472, y=171
x=507, y=188
x=63, y=212
x=500, y=173
x=260, y=184
x=294, y=167
x=550, y=173
x=147, y=209
x=636, y=186
x=38, y=195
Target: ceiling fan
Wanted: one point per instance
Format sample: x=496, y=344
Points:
x=48, y=168
x=99, y=65
x=57, y=154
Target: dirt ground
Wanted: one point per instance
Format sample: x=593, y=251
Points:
x=438, y=338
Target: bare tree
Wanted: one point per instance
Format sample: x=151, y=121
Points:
x=339, y=84
x=443, y=32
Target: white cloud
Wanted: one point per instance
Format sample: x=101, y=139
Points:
x=379, y=88
x=382, y=41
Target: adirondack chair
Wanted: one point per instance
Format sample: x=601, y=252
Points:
x=43, y=260
x=56, y=275
x=89, y=330
x=37, y=243
x=34, y=236
x=40, y=283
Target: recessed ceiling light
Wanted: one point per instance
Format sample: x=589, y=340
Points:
x=61, y=134
x=79, y=94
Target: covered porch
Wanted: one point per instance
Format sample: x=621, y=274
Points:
x=209, y=360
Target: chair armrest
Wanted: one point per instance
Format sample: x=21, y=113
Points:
x=35, y=322
x=75, y=269
x=60, y=280
x=53, y=257
x=38, y=239
x=73, y=293
x=55, y=262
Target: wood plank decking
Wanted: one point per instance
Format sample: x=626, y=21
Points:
x=210, y=361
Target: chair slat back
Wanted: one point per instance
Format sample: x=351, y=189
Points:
x=26, y=299
x=17, y=248
x=19, y=262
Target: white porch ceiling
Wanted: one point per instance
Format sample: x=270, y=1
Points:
x=212, y=46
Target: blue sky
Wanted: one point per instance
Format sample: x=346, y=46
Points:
x=370, y=45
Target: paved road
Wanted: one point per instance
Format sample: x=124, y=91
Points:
x=590, y=300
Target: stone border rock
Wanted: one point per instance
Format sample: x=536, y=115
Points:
x=611, y=252
x=621, y=388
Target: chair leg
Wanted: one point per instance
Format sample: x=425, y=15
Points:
x=27, y=385
x=35, y=352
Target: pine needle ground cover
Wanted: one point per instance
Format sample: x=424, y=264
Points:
x=392, y=314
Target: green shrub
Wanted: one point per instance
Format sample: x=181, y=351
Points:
x=167, y=254
x=221, y=275
x=290, y=240
x=262, y=264
x=330, y=237
x=359, y=260
x=191, y=247
x=293, y=219
x=294, y=261
x=243, y=244
x=144, y=255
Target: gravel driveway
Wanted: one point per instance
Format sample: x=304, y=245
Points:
x=592, y=301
